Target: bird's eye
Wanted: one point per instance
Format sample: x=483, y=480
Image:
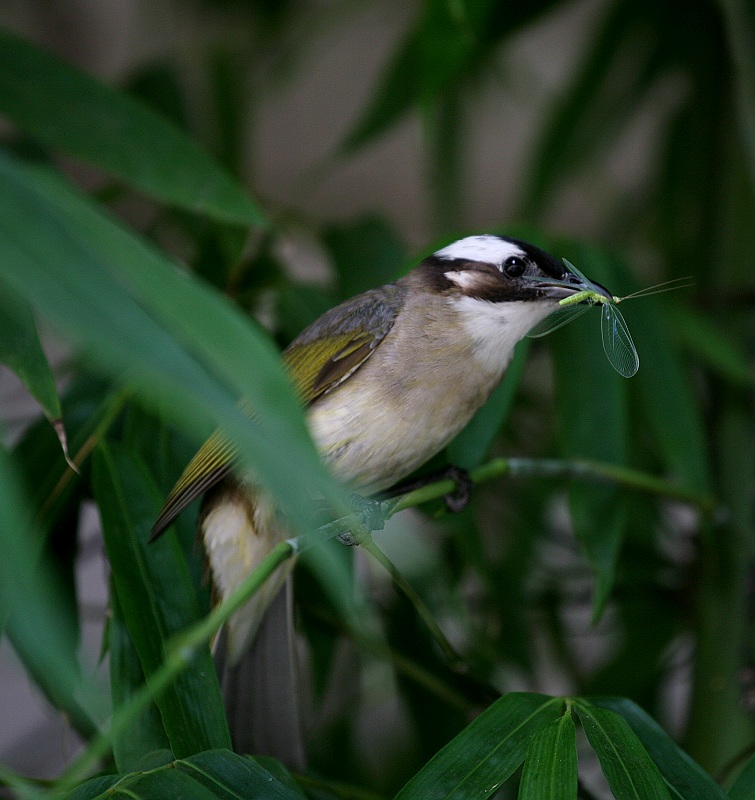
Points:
x=514, y=266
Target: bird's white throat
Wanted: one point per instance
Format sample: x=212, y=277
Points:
x=497, y=327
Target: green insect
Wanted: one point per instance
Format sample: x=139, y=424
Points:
x=617, y=341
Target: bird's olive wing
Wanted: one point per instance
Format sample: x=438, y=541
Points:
x=212, y=463
x=323, y=356
x=333, y=348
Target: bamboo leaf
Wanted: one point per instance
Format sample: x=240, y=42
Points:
x=684, y=778
x=143, y=321
x=21, y=350
x=669, y=402
x=708, y=342
x=157, y=597
x=29, y=593
x=365, y=254
x=744, y=786
x=592, y=406
x=628, y=768
x=73, y=112
x=740, y=23
x=212, y=775
x=477, y=761
x=146, y=744
x=550, y=769
x=591, y=110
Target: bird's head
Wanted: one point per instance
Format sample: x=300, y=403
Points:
x=499, y=287
x=504, y=280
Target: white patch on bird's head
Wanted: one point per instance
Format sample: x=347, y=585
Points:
x=486, y=248
x=464, y=280
x=496, y=328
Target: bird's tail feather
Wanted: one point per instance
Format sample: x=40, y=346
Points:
x=260, y=690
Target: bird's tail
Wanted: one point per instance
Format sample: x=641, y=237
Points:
x=255, y=652
x=261, y=690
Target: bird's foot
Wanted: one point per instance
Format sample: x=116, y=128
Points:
x=456, y=500
x=370, y=511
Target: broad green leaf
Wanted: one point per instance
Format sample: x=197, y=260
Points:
x=719, y=724
x=708, y=342
x=628, y=768
x=550, y=768
x=743, y=787
x=447, y=46
x=157, y=598
x=143, y=321
x=29, y=596
x=477, y=761
x=73, y=112
x=591, y=401
x=471, y=446
x=21, y=350
x=366, y=254
x=740, y=25
x=90, y=409
x=146, y=740
x=94, y=788
x=212, y=775
x=591, y=109
x=669, y=402
x=684, y=778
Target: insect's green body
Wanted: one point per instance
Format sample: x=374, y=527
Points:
x=588, y=296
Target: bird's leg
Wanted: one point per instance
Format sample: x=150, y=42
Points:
x=456, y=500
x=369, y=509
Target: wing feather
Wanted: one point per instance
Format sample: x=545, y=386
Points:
x=321, y=358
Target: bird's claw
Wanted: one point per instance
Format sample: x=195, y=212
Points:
x=370, y=512
x=458, y=499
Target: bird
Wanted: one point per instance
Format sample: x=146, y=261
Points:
x=387, y=378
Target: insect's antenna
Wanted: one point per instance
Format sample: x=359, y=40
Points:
x=659, y=288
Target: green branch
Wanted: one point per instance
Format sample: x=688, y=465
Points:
x=180, y=648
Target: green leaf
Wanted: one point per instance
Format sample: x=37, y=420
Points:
x=29, y=595
x=550, y=768
x=146, y=744
x=477, y=761
x=366, y=254
x=743, y=787
x=684, y=777
x=740, y=25
x=157, y=598
x=212, y=775
x=709, y=343
x=669, y=403
x=73, y=112
x=628, y=768
x=591, y=401
x=94, y=788
x=591, y=110
x=21, y=350
x=145, y=322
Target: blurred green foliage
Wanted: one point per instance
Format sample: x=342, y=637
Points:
x=162, y=353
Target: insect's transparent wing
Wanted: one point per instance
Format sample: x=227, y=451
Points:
x=617, y=341
x=583, y=278
x=557, y=319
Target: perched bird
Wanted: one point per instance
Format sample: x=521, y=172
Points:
x=388, y=377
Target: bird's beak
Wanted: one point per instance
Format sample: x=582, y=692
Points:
x=570, y=285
